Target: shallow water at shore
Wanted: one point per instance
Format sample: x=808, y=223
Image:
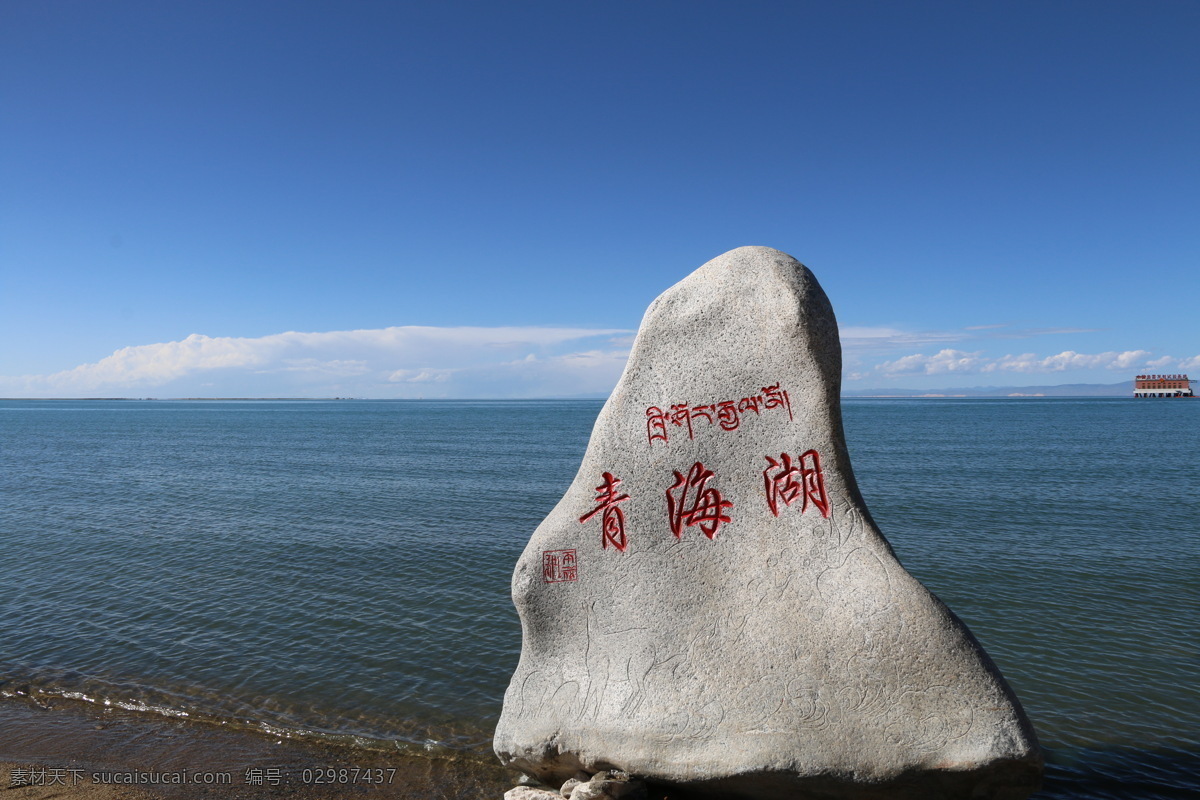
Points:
x=336, y=573
x=68, y=748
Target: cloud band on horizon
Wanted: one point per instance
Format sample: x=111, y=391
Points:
x=469, y=361
x=959, y=361
x=397, y=361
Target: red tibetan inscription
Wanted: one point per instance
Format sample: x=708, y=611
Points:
x=612, y=524
x=559, y=566
x=707, y=506
x=773, y=397
x=656, y=424
x=785, y=481
x=725, y=413
x=681, y=417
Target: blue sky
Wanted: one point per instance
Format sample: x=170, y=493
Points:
x=384, y=199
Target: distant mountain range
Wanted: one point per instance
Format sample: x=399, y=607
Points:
x=1122, y=389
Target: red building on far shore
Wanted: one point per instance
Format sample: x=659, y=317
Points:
x=1162, y=386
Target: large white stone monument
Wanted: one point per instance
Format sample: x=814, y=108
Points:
x=711, y=606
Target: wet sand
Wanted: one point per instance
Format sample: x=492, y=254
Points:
x=73, y=750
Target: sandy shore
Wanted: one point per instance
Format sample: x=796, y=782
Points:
x=72, y=750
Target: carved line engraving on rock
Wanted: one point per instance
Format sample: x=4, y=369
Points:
x=706, y=721
x=595, y=696
x=868, y=690
x=804, y=696
x=533, y=705
x=725, y=413
x=565, y=697
x=637, y=670
x=754, y=700
x=610, y=648
x=771, y=583
x=862, y=554
x=854, y=528
x=934, y=731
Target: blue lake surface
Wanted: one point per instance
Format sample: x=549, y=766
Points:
x=340, y=569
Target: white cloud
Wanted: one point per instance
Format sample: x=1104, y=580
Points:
x=421, y=375
x=883, y=337
x=859, y=337
x=155, y=364
x=414, y=361
x=941, y=362
x=959, y=361
x=1069, y=359
x=335, y=367
x=369, y=363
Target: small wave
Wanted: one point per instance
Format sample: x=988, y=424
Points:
x=453, y=740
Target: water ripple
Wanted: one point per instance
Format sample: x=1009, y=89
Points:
x=342, y=569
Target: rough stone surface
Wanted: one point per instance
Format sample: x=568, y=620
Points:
x=782, y=651
x=612, y=785
x=531, y=793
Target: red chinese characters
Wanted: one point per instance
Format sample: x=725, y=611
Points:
x=690, y=502
x=785, y=481
x=559, y=566
x=725, y=413
x=612, y=523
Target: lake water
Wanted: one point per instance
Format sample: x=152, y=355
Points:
x=339, y=570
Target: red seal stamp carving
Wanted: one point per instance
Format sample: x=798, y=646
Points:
x=559, y=566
